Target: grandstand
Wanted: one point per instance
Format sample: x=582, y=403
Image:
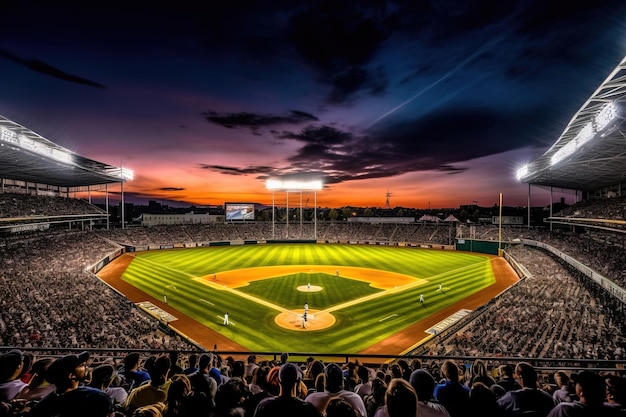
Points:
x=566, y=312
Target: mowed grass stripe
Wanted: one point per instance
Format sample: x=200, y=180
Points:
x=357, y=325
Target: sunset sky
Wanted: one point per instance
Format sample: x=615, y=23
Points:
x=435, y=102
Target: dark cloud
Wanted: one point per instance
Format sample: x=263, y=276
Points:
x=254, y=121
x=171, y=189
x=43, y=68
x=238, y=171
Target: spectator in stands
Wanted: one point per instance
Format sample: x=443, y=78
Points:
x=153, y=392
x=365, y=385
x=238, y=370
x=482, y=401
x=177, y=402
x=453, y=395
x=334, y=387
x=400, y=400
x=338, y=407
x=424, y=384
x=591, y=391
x=565, y=392
x=287, y=403
x=616, y=392
x=377, y=399
x=506, y=379
x=38, y=387
x=231, y=398
x=480, y=374
x=70, y=398
x=310, y=375
x=251, y=365
x=191, y=368
x=133, y=375
x=102, y=378
x=201, y=382
x=529, y=398
x=13, y=365
x=174, y=367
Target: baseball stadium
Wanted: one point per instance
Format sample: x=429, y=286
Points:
x=380, y=293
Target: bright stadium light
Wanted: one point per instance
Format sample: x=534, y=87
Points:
x=126, y=174
x=605, y=116
x=522, y=172
x=62, y=156
x=584, y=136
x=9, y=136
x=293, y=185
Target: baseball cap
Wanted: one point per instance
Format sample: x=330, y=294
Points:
x=10, y=361
x=59, y=370
x=289, y=374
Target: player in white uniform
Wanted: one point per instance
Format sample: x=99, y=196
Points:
x=226, y=319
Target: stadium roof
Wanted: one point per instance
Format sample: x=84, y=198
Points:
x=27, y=156
x=591, y=152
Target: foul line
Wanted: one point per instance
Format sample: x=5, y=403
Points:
x=388, y=317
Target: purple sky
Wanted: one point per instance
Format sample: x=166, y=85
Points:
x=436, y=102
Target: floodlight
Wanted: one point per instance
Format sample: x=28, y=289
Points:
x=605, y=116
x=293, y=185
x=62, y=156
x=522, y=172
x=585, y=135
x=7, y=135
x=126, y=174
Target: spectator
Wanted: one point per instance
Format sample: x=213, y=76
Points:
x=13, y=365
x=565, y=392
x=400, y=400
x=453, y=395
x=287, y=403
x=191, y=368
x=377, y=399
x=231, y=398
x=479, y=374
x=102, y=378
x=482, y=401
x=424, y=384
x=529, y=398
x=334, y=387
x=153, y=392
x=616, y=392
x=70, y=399
x=591, y=391
x=507, y=380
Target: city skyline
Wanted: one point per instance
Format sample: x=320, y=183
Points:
x=427, y=104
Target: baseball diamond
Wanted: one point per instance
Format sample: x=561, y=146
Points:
x=370, y=307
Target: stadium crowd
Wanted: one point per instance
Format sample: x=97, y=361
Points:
x=49, y=301
x=209, y=385
x=554, y=313
x=14, y=205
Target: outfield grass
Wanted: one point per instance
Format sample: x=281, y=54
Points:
x=358, y=326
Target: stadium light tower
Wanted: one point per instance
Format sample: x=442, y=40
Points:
x=277, y=184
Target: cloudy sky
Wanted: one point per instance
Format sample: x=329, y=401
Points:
x=435, y=102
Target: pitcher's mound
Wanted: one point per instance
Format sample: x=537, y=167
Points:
x=305, y=288
x=292, y=320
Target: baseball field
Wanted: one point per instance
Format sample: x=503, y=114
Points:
x=360, y=299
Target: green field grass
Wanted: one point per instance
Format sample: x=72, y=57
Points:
x=359, y=324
